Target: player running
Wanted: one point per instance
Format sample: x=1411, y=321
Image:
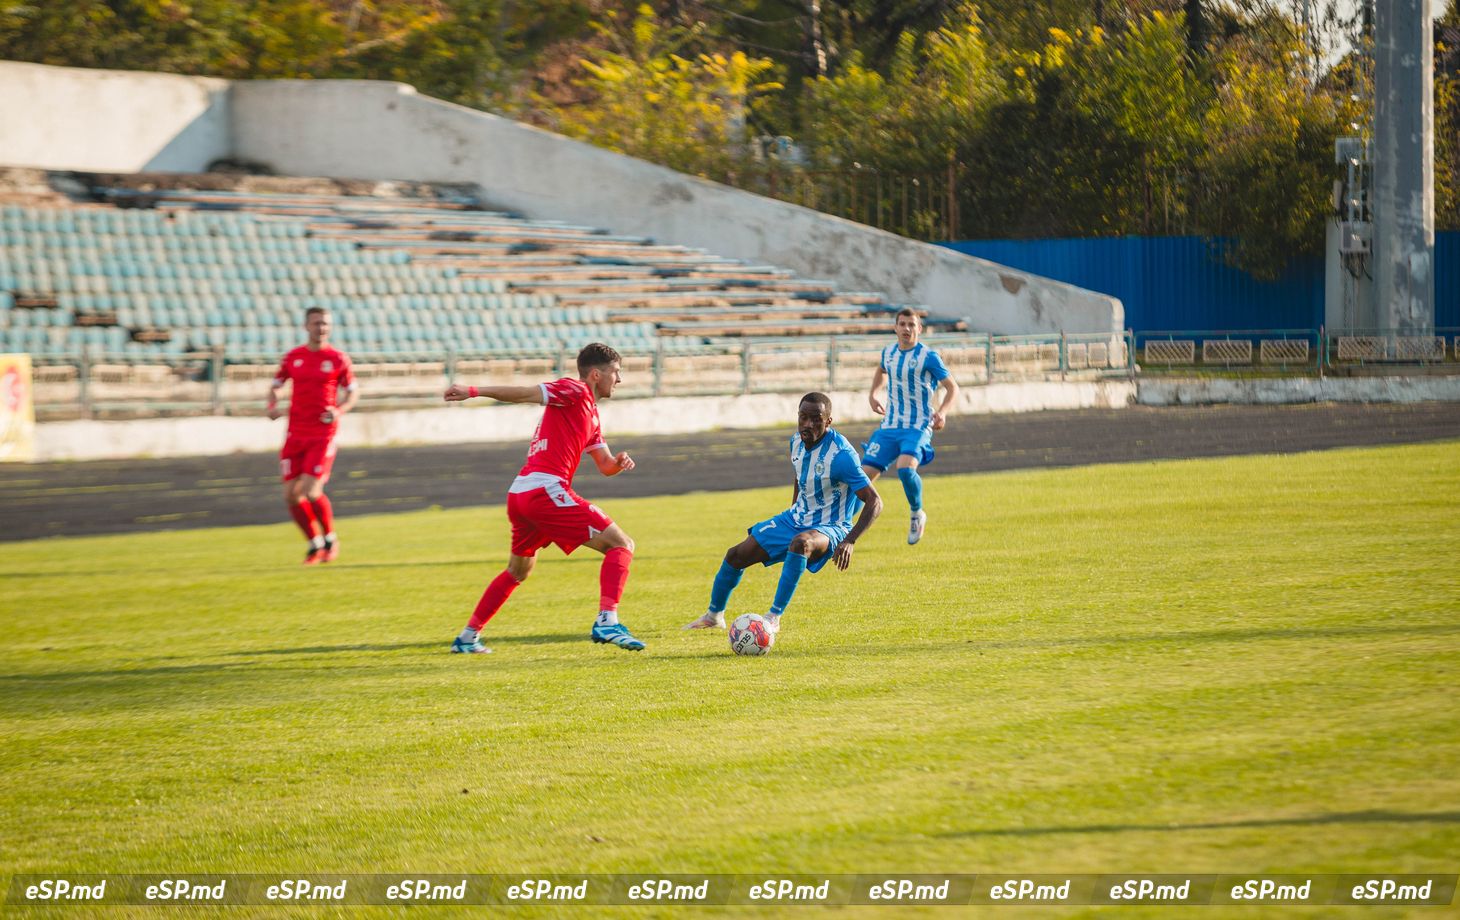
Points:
x=828, y=489
x=912, y=371
x=541, y=504
x=320, y=374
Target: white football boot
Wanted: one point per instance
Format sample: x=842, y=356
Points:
x=918, y=525
x=708, y=621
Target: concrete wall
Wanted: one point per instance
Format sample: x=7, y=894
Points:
x=1280, y=391
x=386, y=131
x=66, y=118
x=180, y=437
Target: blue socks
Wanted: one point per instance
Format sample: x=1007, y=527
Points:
x=912, y=485
x=791, y=571
x=725, y=581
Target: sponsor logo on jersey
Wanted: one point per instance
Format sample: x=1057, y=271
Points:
x=537, y=447
x=326, y=365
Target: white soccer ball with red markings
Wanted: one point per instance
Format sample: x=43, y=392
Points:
x=749, y=635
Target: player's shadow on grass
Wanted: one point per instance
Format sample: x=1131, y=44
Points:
x=1353, y=817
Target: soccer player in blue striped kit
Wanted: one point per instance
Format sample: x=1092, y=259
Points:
x=828, y=490
x=913, y=372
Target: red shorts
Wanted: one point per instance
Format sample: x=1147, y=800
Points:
x=552, y=514
x=307, y=457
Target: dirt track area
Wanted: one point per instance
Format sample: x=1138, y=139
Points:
x=54, y=499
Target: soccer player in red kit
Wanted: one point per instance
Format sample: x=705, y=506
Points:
x=320, y=374
x=541, y=504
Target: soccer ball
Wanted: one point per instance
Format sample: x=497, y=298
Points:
x=749, y=635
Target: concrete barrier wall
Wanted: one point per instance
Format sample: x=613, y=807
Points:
x=477, y=422
x=386, y=131
x=111, y=120
x=1287, y=390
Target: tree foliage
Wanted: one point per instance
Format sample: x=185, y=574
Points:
x=935, y=93
x=1267, y=163
x=1063, y=117
x=686, y=111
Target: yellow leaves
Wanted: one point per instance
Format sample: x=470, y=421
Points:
x=657, y=104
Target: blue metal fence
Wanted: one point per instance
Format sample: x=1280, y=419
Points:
x=1447, y=279
x=1179, y=282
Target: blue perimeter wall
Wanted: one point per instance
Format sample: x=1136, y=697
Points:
x=1176, y=282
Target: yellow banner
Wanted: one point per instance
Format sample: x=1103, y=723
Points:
x=17, y=409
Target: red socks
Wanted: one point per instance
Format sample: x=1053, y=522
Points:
x=303, y=515
x=325, y=513
x=613, y=576
x=492, y=600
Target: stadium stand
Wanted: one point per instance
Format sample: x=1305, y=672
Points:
x=148, y=274
x=164, y=294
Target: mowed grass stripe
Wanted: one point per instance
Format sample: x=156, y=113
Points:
x=1221, y=665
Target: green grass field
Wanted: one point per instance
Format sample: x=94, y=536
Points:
x=1240, y=665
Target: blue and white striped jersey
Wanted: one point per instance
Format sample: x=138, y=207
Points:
x=912, y=382
x=829, y=475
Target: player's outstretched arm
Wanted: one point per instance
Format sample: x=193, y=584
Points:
x=870, y=510
x=609, y=463
x=874, y=397
x=458, y=392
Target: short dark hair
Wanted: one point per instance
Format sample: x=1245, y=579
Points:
x=594, y=355
x=909, y=311
x=821, y=399
x=313, y=310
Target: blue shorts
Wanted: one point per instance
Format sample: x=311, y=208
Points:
x=776, y=534
x=887, y=444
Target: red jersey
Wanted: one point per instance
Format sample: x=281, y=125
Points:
x=569, y=427
x=318, y=377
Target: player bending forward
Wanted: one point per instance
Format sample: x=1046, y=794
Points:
x=541, y=504
x=320, y=373
x=912, y=372
x=828, y=489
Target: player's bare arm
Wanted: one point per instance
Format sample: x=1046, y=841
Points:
x=949, y=386
x=330, y=416
x=273, y=411
x=610, y=463
x=871, y=508
x=874, y=397
x=458, y=392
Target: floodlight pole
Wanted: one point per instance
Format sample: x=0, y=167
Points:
x=1404, y=167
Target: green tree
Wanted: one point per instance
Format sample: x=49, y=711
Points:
x=648, y=101
x=915, y=118
x=1095, y=138
x=173, y=36
x=1268, y=163
x=1447, y=119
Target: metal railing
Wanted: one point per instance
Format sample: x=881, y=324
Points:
x=1321, y=350
x=221, y=382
